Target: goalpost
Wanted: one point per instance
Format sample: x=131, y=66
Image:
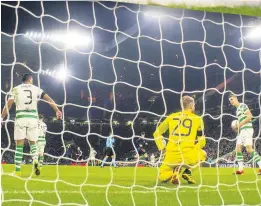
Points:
x=158, y=43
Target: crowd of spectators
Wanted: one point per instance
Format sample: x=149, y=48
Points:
x=221, y=141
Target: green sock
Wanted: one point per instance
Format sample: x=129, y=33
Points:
x=34, y=151
x=18, y=157
x=239, y=157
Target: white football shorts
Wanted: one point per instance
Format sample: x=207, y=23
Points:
x=26, y=128
x=245, y=137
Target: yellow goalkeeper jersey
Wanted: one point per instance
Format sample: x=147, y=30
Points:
x=184, y=130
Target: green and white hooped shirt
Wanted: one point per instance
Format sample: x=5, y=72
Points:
x=26, y=97
x=241, y=109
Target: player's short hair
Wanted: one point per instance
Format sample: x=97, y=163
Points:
x=232, y=95
x=186, y=102
x=41, y=116
x=26, y=77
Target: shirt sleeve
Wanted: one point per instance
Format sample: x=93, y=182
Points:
x=244, y=108
x=161, y=129
x=40, y=93
x=200, y=134
x=13, y=93
x=201, y=125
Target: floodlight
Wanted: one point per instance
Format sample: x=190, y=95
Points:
x=61, y=74
x=255, y=33
x=152, y=14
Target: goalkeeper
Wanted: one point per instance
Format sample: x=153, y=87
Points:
x=185, y=143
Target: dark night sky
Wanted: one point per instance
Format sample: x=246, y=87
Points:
x=196, y=75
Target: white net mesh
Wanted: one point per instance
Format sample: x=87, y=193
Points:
x=123, y=67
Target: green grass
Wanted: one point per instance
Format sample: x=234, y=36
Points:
x=243, y=10
x=126, y=185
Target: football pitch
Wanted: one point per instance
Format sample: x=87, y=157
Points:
x=81, y=185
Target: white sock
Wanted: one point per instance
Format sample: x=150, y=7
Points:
x=240, y=166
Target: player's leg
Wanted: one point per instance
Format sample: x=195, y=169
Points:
x=239, y=155
x=41, y=146
x=41, y=156
x=113, y=162
x=34, y=151
x=170, y=168
x=32, y=134
x=169, y=173
x=255, y=157
x=187, y=175
x=250, y=150
x=19, y=156
x=19, y=136
x=104, y=160
x=192, y=158
x=113, y=157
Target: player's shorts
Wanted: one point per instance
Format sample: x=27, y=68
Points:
x=41, y=146
x=173, y=159
x=109, y=151
x=92, y=158
x=190, y=158
x=245, y=137
x=26, y=128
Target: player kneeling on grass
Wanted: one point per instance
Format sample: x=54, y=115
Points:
x=41, y=142
x=185, y=143
x=26, y=96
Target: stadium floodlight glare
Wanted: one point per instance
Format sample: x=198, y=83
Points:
x=152, y=14
x=54, y=37
x=47, y=36
x=69, y=39
x=53, y=73
x=74, y=39
x=61, y=74
x=255, y=33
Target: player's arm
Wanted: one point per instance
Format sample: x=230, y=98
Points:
x=7, y=107
x=201, y=139
x=249, y=117
x=50, y=101
x=161, y=129
x=9, y=103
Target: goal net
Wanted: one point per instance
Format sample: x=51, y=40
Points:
x=119, y=68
